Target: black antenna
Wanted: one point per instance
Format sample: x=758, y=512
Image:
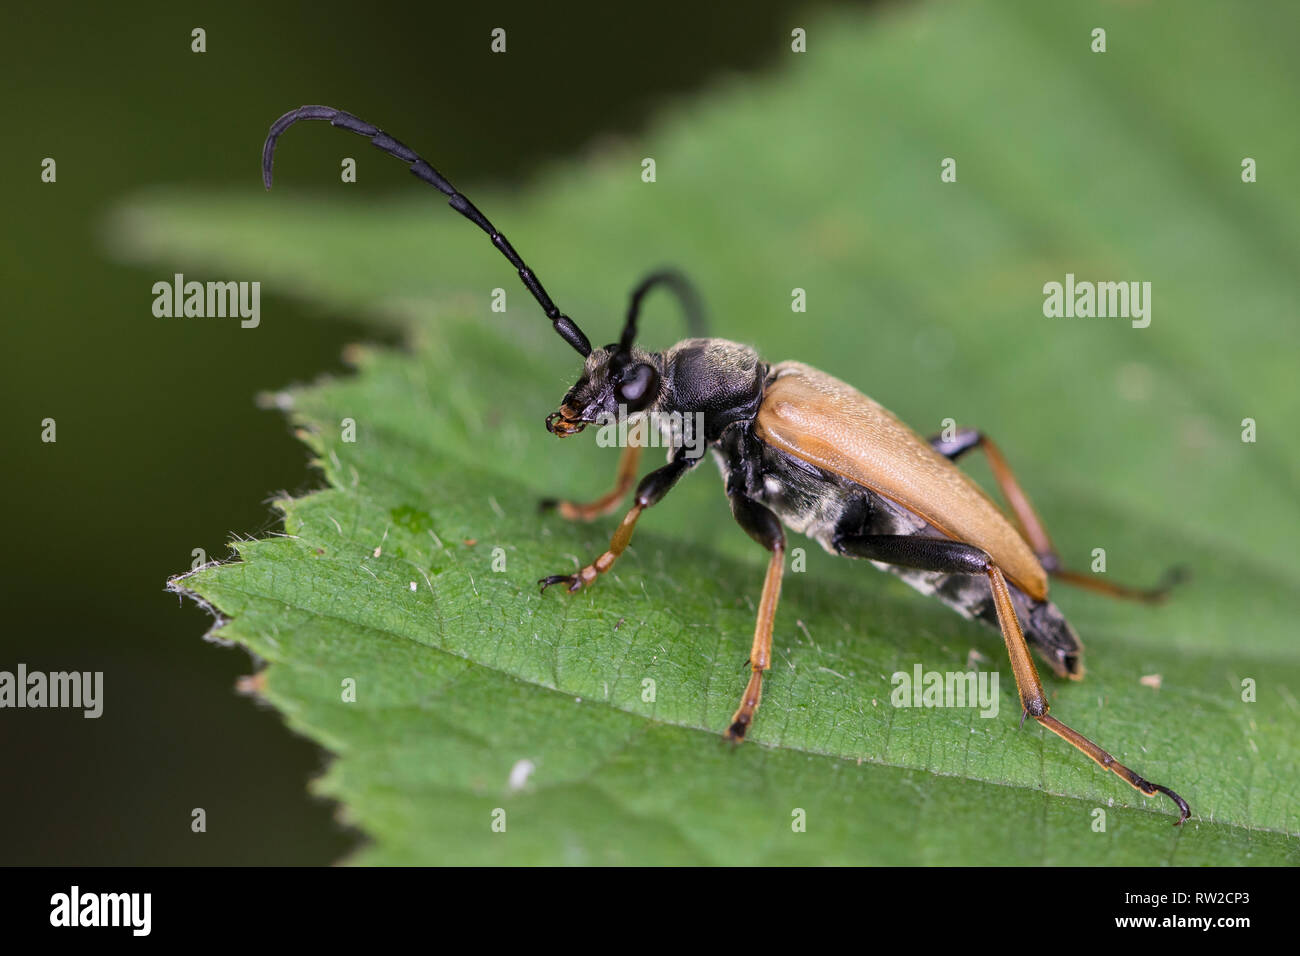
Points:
x=567, y=328
x=686, y=295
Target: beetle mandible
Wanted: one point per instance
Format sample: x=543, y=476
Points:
x=800, y=449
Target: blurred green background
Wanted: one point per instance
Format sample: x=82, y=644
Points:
x=127, y=492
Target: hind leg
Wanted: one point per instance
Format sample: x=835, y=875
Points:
x=1032, y=527
x=954, y=557
x=1034, y=704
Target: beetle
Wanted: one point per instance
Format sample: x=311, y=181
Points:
x=802, y=450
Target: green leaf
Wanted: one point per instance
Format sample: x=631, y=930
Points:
x=1121, y=166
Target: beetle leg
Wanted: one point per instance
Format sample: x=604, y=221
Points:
x=1031, y=525
x=1090, y=582
x=955, y=557
x=765, y=528
x=1035, y=704
x=910, y=551
x=589, y=511
x=652, y=488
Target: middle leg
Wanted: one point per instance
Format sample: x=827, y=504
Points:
x=765, y=528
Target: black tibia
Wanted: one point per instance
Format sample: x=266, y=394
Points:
x=568, y=330
x=651, y=489
x=953, y=557
x=765, y=528
x=686, y=295
x=660, y=481
x=911, y=551
x=1031, y=525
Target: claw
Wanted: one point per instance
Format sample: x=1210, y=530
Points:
x=573, y=580
x=554, y=579
x=1184, y=811
x=736, y=732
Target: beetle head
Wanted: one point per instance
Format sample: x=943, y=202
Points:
x=614, y=377
x=622, y=377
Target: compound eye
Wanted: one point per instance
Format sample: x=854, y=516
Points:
x=636, y=390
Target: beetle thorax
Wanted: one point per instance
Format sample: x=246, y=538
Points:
x=715, y=380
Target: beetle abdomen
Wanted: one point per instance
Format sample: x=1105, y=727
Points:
x=817, y=418
x=824, y=506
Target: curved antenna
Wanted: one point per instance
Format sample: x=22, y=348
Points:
x=567, y=328
x=686, y=295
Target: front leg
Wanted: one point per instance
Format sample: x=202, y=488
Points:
x=591, y=510
x=652, y=488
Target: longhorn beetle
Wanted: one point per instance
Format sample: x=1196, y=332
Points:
x=801, y=449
